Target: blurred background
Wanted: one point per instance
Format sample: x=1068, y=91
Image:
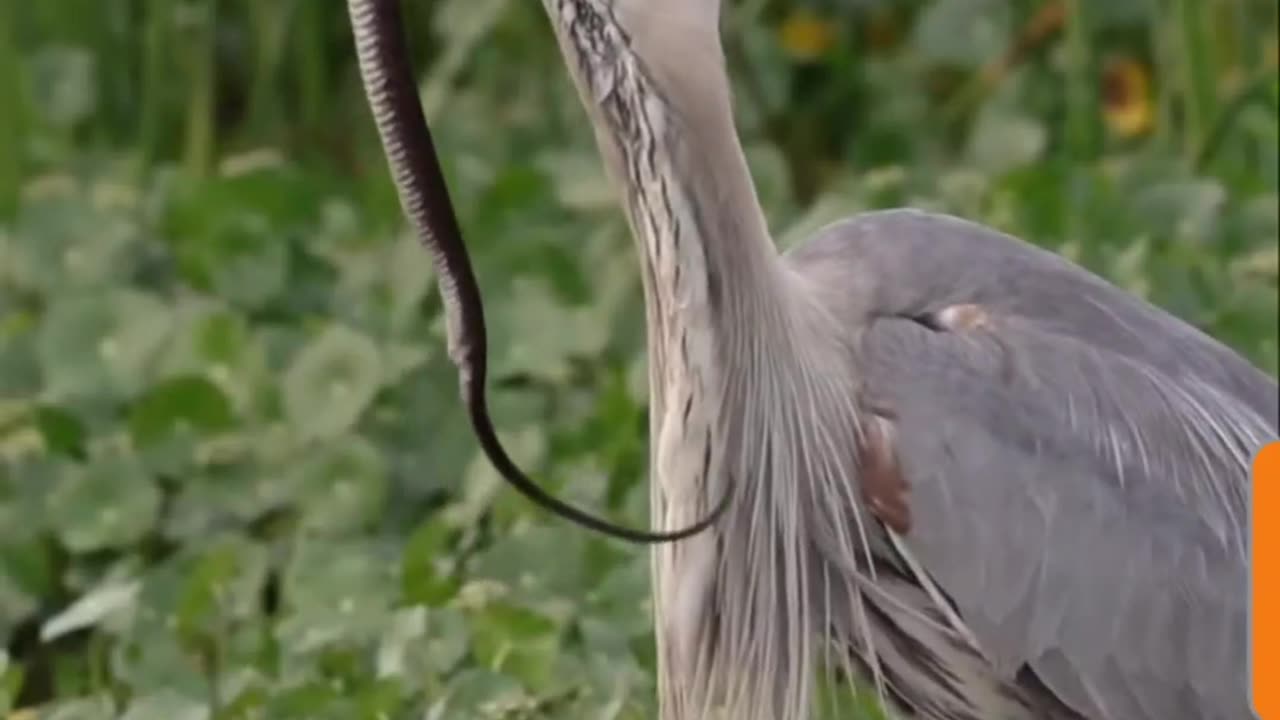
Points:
x=234, y=478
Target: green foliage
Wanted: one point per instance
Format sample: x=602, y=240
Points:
x=235, y=480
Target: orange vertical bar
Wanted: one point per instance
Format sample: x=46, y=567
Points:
x=1265, y=609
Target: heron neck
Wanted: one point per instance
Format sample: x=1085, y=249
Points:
x=709, y=264
x=654, y=82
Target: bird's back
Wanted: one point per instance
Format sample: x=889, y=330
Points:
x=1076, y=460
x=909, y=262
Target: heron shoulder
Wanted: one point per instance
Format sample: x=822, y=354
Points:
x=911, y=263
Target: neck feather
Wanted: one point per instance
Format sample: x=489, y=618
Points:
x=659, y=101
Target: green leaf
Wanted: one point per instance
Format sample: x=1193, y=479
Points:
x=477, y=693
x=331, y=382
x=571, y=331
x=428, y=565
x=279, y=194
x=11, y=677
x=16, y=603
x=166, y=705
x=24, y=485
x=410, y=277
x=232, y=234
x=111, y=503
x=172, y=416
x=69, y=237
x=966, y=33
x=19, y=368
x=518, y=640
x=98, y=707
x=335, y=593
x=382, y=288
x=1005, y=140
x=512, y=559
x=448, y=633
x=222, y=583
x=408, y=629
x=107, y=601
x=424, y=430
x=62, y=431
x=579, y=180
x=64, y=84
x=244, y=260
x=151, y=656
x=341, y=486
x=423, y=644
x=101, y=344
x=219, y=345
x=1188, y=210
x=482, y=483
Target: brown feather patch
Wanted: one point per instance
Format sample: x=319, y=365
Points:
x=964, y=317
x=884, y=487
x=968, y=317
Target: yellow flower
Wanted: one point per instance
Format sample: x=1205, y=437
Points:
x=806, y=36
x=1127, y=108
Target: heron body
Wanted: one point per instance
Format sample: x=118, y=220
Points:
x=962, y=467
x=974, y=474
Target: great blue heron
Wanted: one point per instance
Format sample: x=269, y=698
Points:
x=962, y=467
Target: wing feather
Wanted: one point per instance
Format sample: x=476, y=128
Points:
x=1077, y=461
x=1086, y=514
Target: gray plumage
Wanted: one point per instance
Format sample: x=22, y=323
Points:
x=973, y=473
x=1078, y=467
